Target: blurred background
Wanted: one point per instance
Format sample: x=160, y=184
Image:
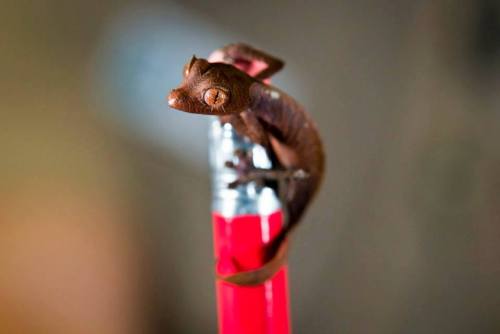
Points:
x=105, y=191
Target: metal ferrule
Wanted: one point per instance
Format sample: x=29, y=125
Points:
x=247, y=198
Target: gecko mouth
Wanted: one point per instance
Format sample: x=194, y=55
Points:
x=176, y=99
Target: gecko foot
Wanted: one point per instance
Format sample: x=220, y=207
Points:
x=246, y=172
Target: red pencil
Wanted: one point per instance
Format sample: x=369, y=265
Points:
x=244, y=220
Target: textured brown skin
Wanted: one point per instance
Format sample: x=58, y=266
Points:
x=268, y=117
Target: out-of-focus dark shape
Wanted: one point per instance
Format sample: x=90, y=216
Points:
x=487, y=35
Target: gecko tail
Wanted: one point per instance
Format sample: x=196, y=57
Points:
x=262, y=274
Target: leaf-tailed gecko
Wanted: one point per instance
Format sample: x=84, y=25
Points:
x=268, y=117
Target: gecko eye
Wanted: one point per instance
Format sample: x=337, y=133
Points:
x=215, y=97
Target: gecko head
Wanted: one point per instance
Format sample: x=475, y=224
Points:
x=211, y=89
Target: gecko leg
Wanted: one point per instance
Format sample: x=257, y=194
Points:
x=246, y=172
x=258, y=175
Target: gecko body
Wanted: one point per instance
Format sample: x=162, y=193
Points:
x=268, y=117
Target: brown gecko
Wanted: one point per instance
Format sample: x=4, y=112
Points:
x=268, y=117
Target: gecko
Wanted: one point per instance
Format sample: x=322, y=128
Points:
x=234, y=86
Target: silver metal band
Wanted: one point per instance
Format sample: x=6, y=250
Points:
x=247, y=198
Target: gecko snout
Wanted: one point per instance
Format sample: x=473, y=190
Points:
x=175, y=98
